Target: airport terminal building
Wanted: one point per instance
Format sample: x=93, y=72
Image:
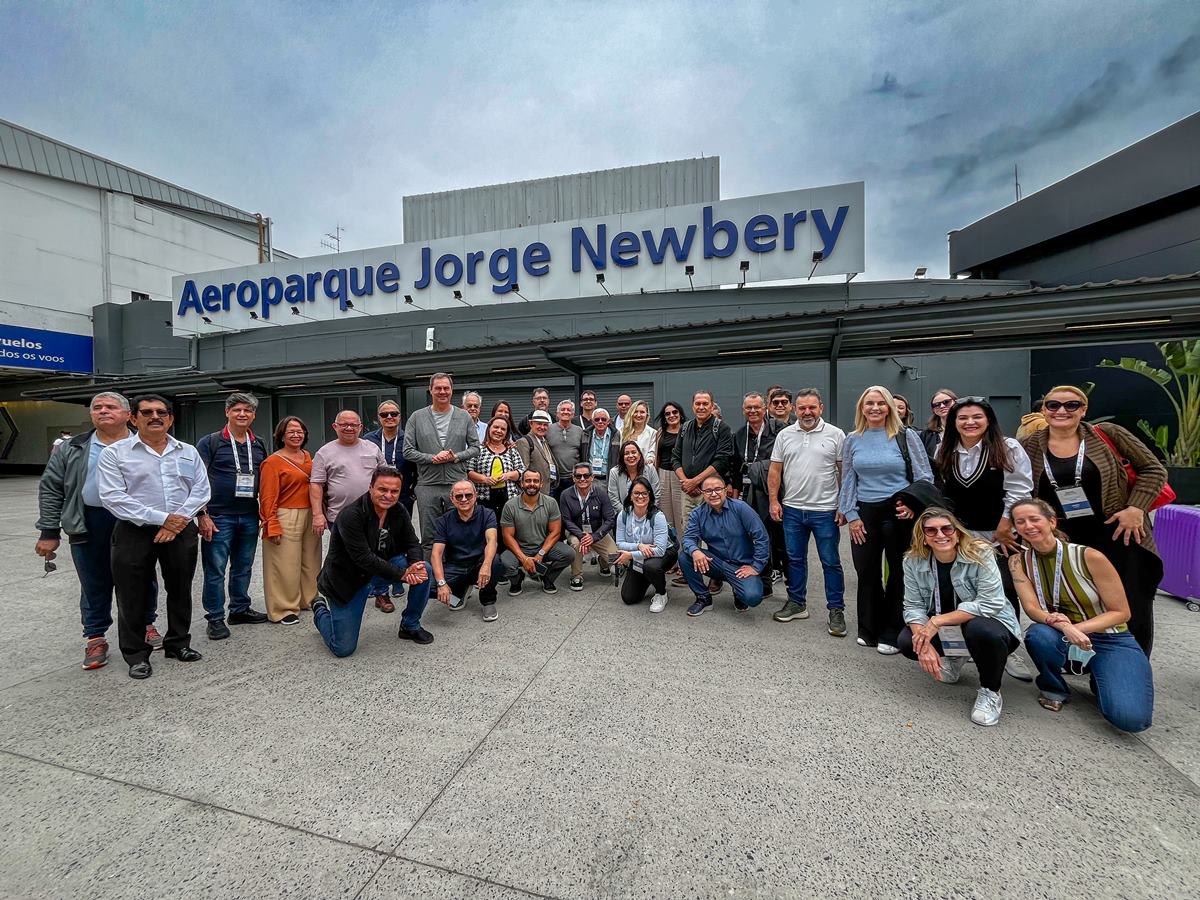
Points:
x=641, y=280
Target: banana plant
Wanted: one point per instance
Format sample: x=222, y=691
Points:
x=1180, y=381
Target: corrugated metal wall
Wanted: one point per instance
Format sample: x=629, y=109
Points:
x=563, y=198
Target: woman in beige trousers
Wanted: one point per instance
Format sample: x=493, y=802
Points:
x=291, y=551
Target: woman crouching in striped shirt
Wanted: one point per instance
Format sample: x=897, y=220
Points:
x=1077, y=603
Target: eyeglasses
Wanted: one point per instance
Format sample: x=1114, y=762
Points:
x=389, y=415
x=780, y=401
x=1068, y=405
x=462, y=496
x=581, y=477
x=159, y=413
x=938, y=404
x=50, y=566
x=712, y=492
x=346, y=425
x=935, y=530
x=640, y=495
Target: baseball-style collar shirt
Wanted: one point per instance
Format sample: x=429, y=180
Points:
x=140, y=485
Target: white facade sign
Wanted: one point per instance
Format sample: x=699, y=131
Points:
x=770, y=237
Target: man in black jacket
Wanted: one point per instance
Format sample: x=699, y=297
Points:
x=589, y=520
x=704, y=449
x=752, y=446
x=372, y=536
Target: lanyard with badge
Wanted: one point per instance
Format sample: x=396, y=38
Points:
x=243, y=486
x=544, y=449
x=1077, y=657
x=951, y=636
x=584, y=512
x=1073, y=500
x=383, y=442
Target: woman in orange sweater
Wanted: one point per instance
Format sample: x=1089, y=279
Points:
x=291, y=551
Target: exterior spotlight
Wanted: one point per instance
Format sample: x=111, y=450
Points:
x=744, y=265
x=408, y=299
x=816, y=258
x=295, y=310
x=600, y=281
x=206, y=320
x=458, y=295
x=920, y=273
x=689, y=271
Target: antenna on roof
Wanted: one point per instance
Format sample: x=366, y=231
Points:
x=333, y=241
x=1016, y=182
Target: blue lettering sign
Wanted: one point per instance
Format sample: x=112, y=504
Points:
x=53, y=351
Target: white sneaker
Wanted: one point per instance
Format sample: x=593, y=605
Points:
x=1016, y=668
x=886, y=649
x=987, y=707
x=952, y=668
x=860, y=642
x=659, y=603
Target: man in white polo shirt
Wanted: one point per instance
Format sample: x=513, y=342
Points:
x=807, y=462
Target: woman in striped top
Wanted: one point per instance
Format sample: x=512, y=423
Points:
x=1077, y=603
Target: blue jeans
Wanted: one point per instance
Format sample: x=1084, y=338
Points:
x=748, y=590
x=232, y=547
x=798, y=524
x=379, y=586
x=1121, y=676
x=93, y=565
x=340, y=625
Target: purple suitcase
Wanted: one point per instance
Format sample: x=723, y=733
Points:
x=1177, y=533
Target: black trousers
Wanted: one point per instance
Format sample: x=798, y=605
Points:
x=653, y=574
x=460, y=578
x=134, y=555
x=495, y=500
x=990, y=644
x=879, y=605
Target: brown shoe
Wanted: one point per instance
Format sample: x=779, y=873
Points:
x=384, y=603
x=153, y=638
x=95, y=656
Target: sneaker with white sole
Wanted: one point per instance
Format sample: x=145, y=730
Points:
x=790, y=611
x=457, y=602
x=489, y=612
x=659, y=603
x=576, y=583
x=988, y=705
x=952, y=667
x=886, y=649
x=1016, y=668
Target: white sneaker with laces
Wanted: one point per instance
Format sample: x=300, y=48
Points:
x=988, y=705
x=952, y=668
x=887, y=649
x=659, y=603
x=1016, y=668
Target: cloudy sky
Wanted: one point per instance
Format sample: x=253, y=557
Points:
x=317, y=113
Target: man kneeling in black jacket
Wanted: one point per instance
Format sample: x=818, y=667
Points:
x=372, y=536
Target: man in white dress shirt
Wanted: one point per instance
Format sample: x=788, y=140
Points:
x=154, y=485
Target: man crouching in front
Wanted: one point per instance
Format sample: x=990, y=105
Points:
x=372, y=536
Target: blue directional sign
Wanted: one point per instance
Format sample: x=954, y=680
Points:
x=32, y=348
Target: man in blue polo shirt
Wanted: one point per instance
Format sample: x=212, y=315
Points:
x=229, y=526
x=464, y=554
x=737, y=547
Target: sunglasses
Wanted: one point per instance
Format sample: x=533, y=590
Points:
x=389, y=415
x=970, y=401
x=462, y=496
x=50, y=566
x=780, y=401
x=154, y=413
x=1068, y=405
x=938, y=404
x=582, y=477
x=935, y=530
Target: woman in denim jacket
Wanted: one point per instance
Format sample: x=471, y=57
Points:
x=954, y=601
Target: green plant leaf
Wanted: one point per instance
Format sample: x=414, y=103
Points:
x=1159, y=435
x=1138, y=367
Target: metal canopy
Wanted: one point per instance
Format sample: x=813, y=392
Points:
x=1119, y=311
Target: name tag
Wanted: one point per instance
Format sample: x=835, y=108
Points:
x=244, y=486
x=553, y=472
x=953, y=643
x=1074, y=502
x=586, y=528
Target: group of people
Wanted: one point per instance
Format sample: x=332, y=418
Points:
x=955, y=529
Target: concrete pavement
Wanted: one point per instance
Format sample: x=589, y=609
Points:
x=575, y=748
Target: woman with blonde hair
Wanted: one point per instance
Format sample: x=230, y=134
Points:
x=1077, y=603
x=880, y=458
x=954, y=607
x=638, y=429
x=1078, y=469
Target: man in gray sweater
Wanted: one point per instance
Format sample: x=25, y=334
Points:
x=440, y=441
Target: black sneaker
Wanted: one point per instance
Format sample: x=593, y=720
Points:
x=701, y=604
x=714, y=586
x=217, y=630
x=739, y=605
x=576, y=583
x=290, y=619
x=548, y=586
x=247, y=617
x=417, y=635
x=514, y=584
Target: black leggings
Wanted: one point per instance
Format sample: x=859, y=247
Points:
x=879, y=618
x=653, y=574
x=988, y=640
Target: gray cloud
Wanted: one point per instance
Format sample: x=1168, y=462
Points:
x=1174, y=65
x=890, y=86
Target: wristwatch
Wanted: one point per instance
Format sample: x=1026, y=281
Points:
x=441, y=582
